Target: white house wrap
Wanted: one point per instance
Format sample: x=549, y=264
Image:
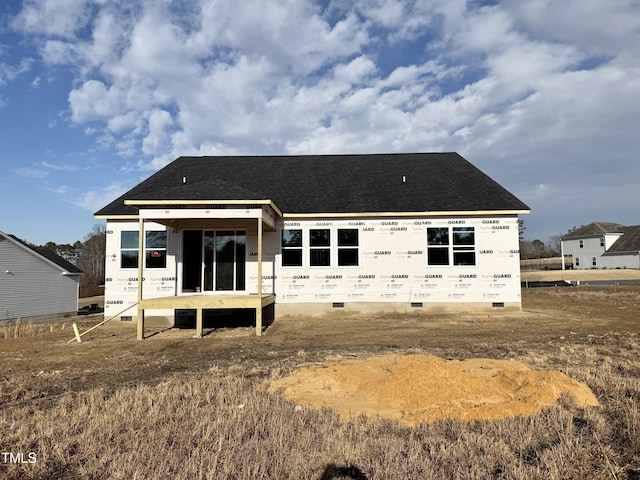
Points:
x=312, y=233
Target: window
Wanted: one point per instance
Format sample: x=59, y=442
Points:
x=463, y=246
x=581, y=243
x=438, y=246
x=594, y=262
x=320, y=247
x=602, y=241
x=156, y=249
x=129, y=249
x=577, y=262
x=455, y=246
x=291, y=248
x=347, y=247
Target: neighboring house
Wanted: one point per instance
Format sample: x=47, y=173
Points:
x=395, y=232
x=35, y=282
x=603, y=245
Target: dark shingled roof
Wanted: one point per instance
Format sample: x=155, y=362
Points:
x=628, y=242
x=435, y=182
x=594, y=229
x=49, y=255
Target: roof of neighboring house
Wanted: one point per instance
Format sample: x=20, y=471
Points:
x=46, y=254
x=595, y=229
x=433, y=182
x=628, y=242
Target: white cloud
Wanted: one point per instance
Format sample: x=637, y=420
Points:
x=59, y=167
x=157, y=141
x=31, y=172
x=601, y=28
x=94, y=200
x=534, y=92
x=92, y=101
x=60, y=18
x=9, y=73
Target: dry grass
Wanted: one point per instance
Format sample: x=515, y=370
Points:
x=581, y=275
x=199, y=409
x=19, y=329
x=223, y=424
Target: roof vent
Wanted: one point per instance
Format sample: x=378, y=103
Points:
x=404, y=179
x=184, y=180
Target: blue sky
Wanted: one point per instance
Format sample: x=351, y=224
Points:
x=96, y=95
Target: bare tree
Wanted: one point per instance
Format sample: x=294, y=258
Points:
x=92, y=256
x=538, y=248
x=554, y=245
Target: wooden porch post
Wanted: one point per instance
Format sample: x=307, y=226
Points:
x=140, y=263
x=259, y=306
x=199, y=322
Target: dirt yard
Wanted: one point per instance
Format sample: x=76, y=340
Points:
x=45, y=365
x=108, y=406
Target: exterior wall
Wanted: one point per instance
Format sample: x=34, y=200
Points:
x=591, y=247
x=121, y=284
x=610, y=239
x=392, y=271
x=583, y=256
x=620, y=261
x=393, y=267
x=34, y=287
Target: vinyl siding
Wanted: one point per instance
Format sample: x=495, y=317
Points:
x=34, y=287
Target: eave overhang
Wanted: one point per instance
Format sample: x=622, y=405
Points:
x=192, y=203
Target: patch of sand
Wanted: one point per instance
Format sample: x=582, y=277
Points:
x=424, y=388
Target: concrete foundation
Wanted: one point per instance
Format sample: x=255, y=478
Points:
x=317, y=309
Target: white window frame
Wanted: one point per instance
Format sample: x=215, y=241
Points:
x=452, y=247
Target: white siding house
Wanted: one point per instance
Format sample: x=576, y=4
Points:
x=311, y=234
x=35, y=282
x=603, y=245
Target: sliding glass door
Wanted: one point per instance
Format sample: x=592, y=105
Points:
x=221, y=259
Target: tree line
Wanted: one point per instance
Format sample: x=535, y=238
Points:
x=537, y=248
x=88, y=255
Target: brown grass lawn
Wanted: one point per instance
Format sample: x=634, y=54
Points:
x=177, y=407
x=579, y=275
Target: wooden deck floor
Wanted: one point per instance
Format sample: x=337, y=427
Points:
x=204, y=301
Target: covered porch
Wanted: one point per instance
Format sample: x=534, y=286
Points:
x=219, y=259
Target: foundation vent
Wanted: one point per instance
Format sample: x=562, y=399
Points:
x=338, y=304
